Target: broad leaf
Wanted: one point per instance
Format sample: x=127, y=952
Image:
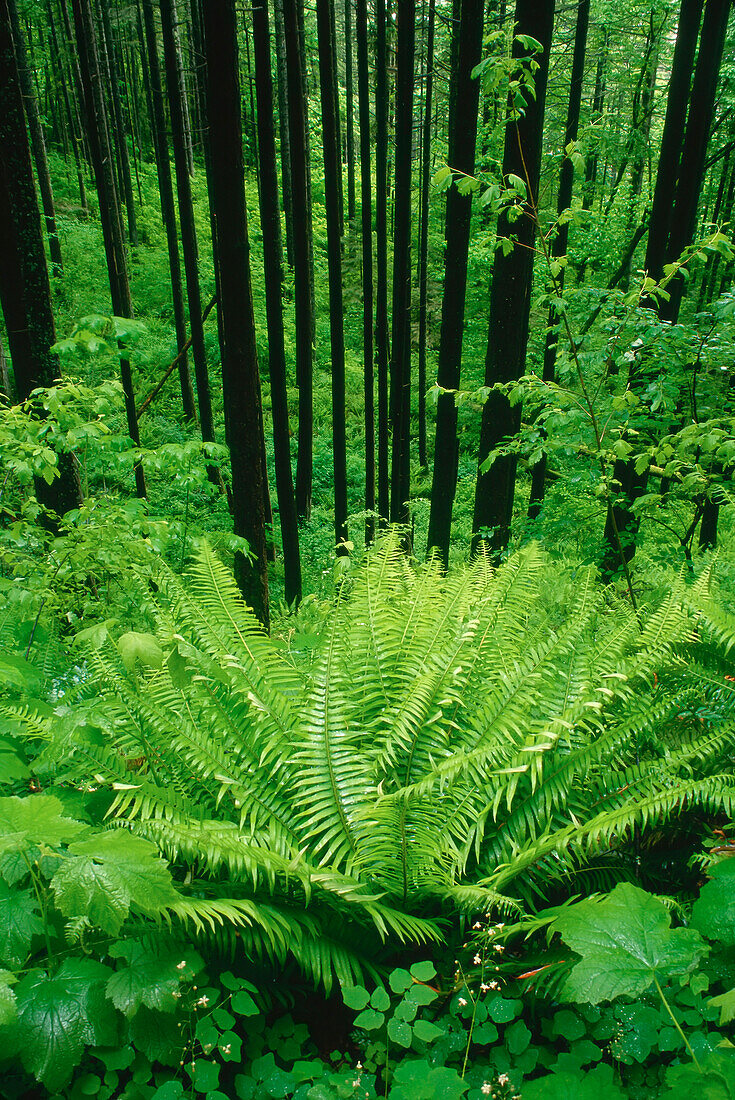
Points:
x=19, y=923
x=59, y=1016
x=584, y=1085
x=8, y=1005
x=625, y=942
x=109, y=873
x=140, y=647
x=714, y=911
x=150, y=978
x=417, y=1080
x=38, y=819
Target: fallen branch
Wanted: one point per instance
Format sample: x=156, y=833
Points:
x=169, y=371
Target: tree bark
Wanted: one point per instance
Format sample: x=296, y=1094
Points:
x=332, y=169
x=270, y=222
x=282, y=85
x=189, y=241
x=25, y=292
x=99, y=145
x=561, y=240
x=510, y=299
x=168, y=210
x=463, y=137
x=382, y=343
x=400, y=365
x=694, y=146
x=424, y=213
x=38, y=144
x=303, y=273
x=121, y=141
x=240, y=378
x=366, y=216
x=349, y=115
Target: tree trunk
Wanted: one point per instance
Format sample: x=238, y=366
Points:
x=560, y=242
x=332, y=169
x=382, y=343
x=510, y=299
x=694, y=146
x=168, y=211
x=400, y=364
x=463, y=137
x=366, y=213
x=282, y=85
x=240, y=378
x=303, y=274
x=673, y=137
x=349, y=112
x=270, y=222
x=121, y=141
x=423, y=272
x=25, y=292
x=99, y=145
x=75, y=136
x=38, y=145
x=186, y=215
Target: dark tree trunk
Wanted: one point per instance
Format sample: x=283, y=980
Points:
x=99, y=144
x=240, y=378
x=382, y=350
x=510, y=299
x=25, y=293
x=38, y=144
x=423, y=272
x=560, y=242
x=121, y=141
x=349, y=113
x=168, y=211
x=366, y=212
x=673, y=137
x=463, y=136
x=282, y=84
x=330, y=138
x=621, y=523
x=186, y=215
x=694, y=146
x=400, y=365
x=303, y=275
x=270, y=221
x=75, y=136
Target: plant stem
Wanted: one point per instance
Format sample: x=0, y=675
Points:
x=676, y=1023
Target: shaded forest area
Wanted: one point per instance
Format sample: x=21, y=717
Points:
x=367, y=372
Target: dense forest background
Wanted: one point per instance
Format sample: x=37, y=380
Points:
x=579, y=164
x=367, y=706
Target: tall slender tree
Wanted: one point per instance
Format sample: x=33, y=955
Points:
x=366, y=217
x=25, y=293
x=303, y=267
x=189, y=241
x=349, y=114
x=332, y=162
x=382, y=341
x=510, y=297
x=423, y=266
x=561, y=239
x=168, y=210
x=400, y=363
x=112, y=233
x=38, y=143
x=240, y=378
x=270, y=221
x=463, y=137
x=285, y=145
x=107, y=59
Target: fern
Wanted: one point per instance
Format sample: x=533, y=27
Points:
x=448, y=747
